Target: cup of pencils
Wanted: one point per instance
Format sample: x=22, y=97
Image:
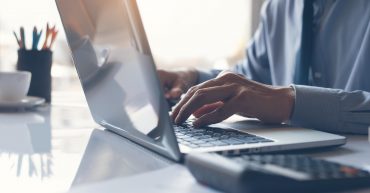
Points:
x=37, y=60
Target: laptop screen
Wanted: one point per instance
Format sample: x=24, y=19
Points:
x=116, y=69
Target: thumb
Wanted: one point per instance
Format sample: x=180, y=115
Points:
x=176, y=91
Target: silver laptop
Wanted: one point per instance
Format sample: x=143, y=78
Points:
x=117, y=72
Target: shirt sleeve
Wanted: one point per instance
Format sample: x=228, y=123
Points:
x=332, y=110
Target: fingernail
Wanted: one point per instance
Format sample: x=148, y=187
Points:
x=176, y=93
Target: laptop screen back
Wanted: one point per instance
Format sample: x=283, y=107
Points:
x=116, y=69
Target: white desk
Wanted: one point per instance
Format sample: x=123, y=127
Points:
x=40, y=151
x=55, y=148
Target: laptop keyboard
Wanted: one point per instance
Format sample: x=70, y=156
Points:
x=213, y=136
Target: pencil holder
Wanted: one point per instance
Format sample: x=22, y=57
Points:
x=38, y=62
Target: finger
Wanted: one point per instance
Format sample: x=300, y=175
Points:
x=216, y=116
x=203, y=97
x=207, y=109
x=174, y=93
x=190, y=93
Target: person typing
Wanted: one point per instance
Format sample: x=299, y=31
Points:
x=307, y=64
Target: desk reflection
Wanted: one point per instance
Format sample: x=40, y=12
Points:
x=109, y=156
x=25, y=142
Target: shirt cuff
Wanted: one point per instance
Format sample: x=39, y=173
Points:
x=204, y=75
x=317, y=108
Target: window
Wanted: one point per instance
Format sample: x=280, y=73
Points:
x=181, y=32
x=195, y=32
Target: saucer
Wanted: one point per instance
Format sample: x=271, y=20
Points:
x=27, y=102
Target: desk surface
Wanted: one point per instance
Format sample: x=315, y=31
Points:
x=56, y=148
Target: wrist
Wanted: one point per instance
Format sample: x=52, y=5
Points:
x=287, y=101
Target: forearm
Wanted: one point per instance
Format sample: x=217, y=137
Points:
x=331, y=109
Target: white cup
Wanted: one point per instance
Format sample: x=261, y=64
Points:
x=14, y=85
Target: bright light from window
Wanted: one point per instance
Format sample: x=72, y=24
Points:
x=208, y=30
x=180, y=32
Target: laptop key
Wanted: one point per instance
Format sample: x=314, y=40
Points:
x=198, y=142
x=202, y=137
x=192, y=139
x=232, y=141
x=197, y=134
x=224, y=137
x=218, y=143
x=244, y=137
x=216, y=135
x=211, y=139
x=182, y=131
x=250, y=139
x=186, y=138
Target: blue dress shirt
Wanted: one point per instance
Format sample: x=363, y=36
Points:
x=338, y=96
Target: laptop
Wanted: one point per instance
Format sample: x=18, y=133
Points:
x=113, y=59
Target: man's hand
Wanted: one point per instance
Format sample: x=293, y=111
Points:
x=215, y=100
x=175, y=83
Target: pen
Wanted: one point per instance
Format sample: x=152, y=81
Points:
x=46, y=37
x=54, y=34
x=23, y=38
x=50, y=33
x=18, y=41
x=36, y=38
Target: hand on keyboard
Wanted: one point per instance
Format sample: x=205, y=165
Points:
x=237, y=95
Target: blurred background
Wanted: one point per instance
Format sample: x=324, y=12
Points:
x=182, y=33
